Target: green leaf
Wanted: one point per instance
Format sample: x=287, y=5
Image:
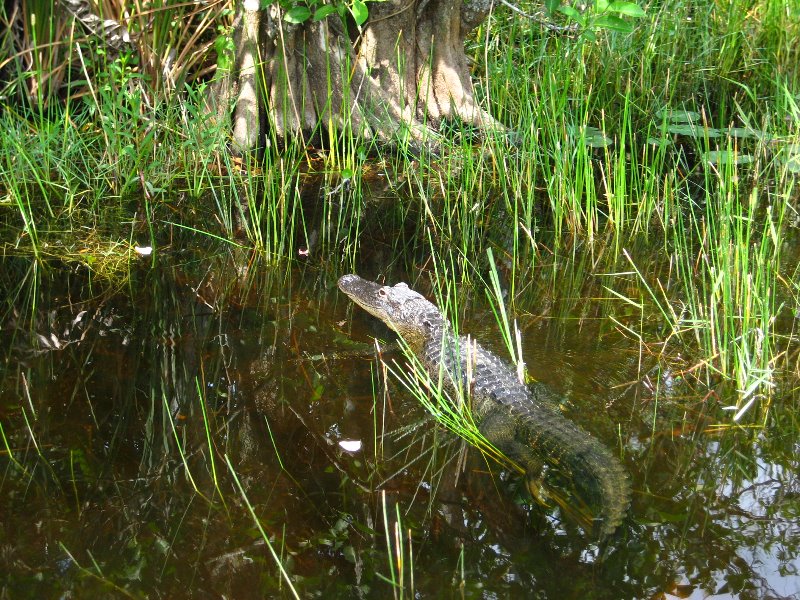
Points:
x=659, y=142
x=224, y=47
x=572, y=14
x=360, y=12
x=297, y=14
x=790, y=158
x=551, y=5
x=629, y=9
x=323, y=11
x=349, y=554
x=792, y=163
x=600, y=5
x=747, y=133
x=613, y=23
x=678, y=115
x=592, y=136
x=695, y=131
x=727, y=157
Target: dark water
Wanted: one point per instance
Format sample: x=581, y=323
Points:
x=126, y=414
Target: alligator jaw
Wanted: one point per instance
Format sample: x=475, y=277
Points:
x=401, y=308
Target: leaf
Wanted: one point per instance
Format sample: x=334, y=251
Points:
x=791, y=162
x=694, y=131
x=690, y=130
x=741, y=133
x=572, y=14
x=224, y=47
x=629, y=9
x=360, y=12
x=613, y=23
x=323, y=11
x=658, y=142
x=349, y=554
x=598, y=141
x=551, y=5
x=600, y=5
x=592, y=136
x=747, y=133
x=297, y=14
x=727, y=157
x=678, y=115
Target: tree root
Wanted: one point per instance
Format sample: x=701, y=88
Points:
x=398, y=78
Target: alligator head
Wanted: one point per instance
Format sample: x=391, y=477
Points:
x=401, y=308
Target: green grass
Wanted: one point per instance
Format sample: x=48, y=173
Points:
x=682, y=134
x=442, y=394
x=598, y=144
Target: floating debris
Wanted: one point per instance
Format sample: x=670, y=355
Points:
x=350, y=445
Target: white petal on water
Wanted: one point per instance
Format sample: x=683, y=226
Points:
x=350, y=445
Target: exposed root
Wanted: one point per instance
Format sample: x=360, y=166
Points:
x=399, y=78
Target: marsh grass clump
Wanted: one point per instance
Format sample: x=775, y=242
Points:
x=109, y=261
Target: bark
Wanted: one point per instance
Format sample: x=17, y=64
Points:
x=402, y=74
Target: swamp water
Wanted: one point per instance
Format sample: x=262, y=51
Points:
x=144, y=429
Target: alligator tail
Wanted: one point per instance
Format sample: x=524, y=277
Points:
x=595, y=475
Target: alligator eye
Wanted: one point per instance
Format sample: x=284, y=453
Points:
x=382, y=292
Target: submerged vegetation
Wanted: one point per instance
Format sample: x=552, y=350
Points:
x=175, y=352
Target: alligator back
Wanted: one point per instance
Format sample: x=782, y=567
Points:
x=528, y=427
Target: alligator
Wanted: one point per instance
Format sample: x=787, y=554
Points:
x=522, y=422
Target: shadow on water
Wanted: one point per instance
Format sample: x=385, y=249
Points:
x=120, y=414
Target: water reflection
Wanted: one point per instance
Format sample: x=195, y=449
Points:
x=119, y=413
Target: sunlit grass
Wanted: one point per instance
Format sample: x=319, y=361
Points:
x=595, y=144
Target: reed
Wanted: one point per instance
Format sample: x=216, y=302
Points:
x=678, y=134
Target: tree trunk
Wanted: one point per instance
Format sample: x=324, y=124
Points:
x=402, y=74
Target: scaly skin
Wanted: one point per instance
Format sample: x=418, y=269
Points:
x=524, y=424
